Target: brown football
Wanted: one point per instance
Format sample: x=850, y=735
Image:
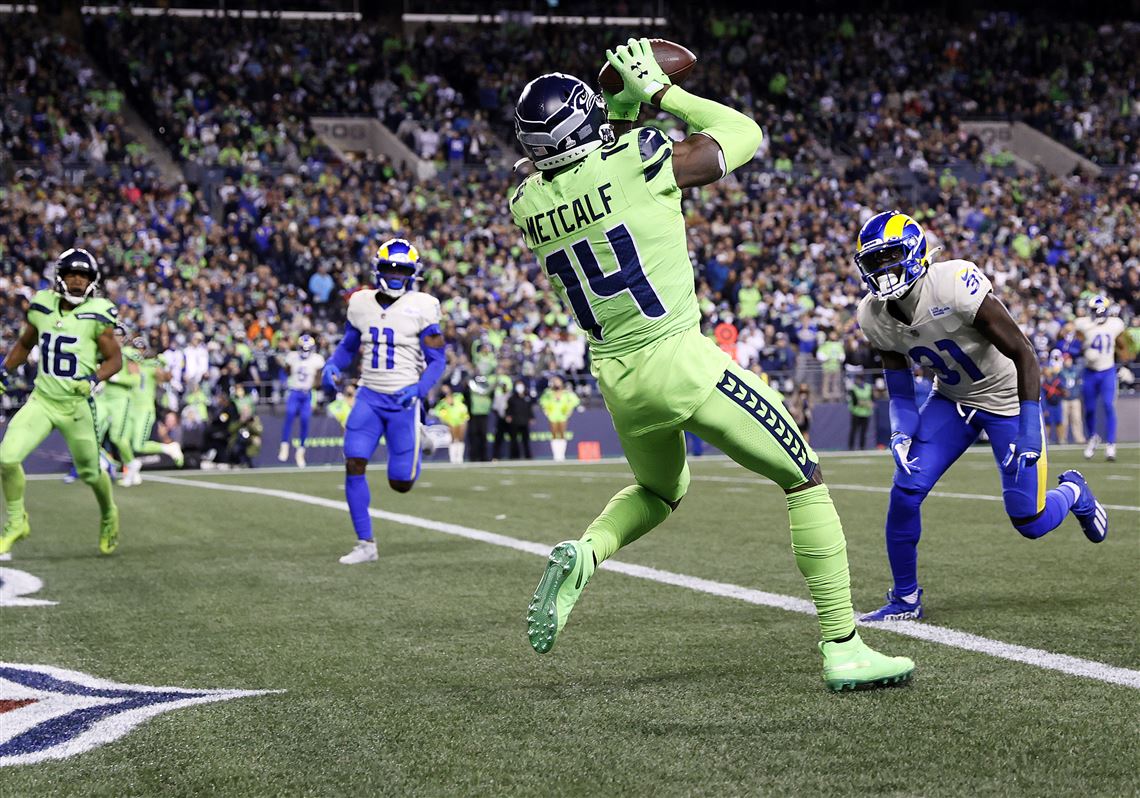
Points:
x=675, y=61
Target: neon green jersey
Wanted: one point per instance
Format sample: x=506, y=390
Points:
x=610, y=235
x=67, y=336
x=121, y=384
x=148, y=385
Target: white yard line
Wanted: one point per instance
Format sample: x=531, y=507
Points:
x=1039, y=658
x=759, y=482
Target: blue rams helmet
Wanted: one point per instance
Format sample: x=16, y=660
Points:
x=892, y=254
x=560, y=120
x=76, y=261
x=395, y=267
x=1098, y=306
x=307, y=344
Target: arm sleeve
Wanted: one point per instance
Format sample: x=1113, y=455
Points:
x=435, y=358
x=903, y=408
x=347, y=348
x=738, y=135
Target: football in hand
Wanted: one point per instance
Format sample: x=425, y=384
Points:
x=674, y=60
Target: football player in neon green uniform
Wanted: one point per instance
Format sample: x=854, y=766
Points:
x=112, y=405
x=141, y=414
x=78, y=352
x=603, y=215
x=558, y=403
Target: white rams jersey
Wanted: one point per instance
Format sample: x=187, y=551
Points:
x=391, y=357
x=968, y=368
x=1100, y=340
x=303, y=369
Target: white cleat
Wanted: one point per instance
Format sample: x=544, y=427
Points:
x=1110, y=452
x=363, y=551
x=427, y=442
x=173, y=450
x=283, y=452
x=1090, y=447
x=299, y=456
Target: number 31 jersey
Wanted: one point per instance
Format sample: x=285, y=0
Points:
x=967, y=367
x=391, y=357
x=610, y=235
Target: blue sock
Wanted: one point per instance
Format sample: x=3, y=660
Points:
x=304, y=428
x=358, y=496
x=904, y=528
x=1057, y=504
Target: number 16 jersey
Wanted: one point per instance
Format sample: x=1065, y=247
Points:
x=610, y=235
x=941, y=336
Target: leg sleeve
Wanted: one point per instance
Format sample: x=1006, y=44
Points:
x=657, y=460
x=745, y=419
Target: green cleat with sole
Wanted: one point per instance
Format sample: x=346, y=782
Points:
x=15, y=529
x=109, y=532
x=569, y=568
x=853, y=665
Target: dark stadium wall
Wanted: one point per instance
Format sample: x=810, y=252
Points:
x=830, y=422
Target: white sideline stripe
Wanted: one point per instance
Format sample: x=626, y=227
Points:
x=755, y=481
x=1039, y=658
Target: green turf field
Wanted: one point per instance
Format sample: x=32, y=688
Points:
x=413, y=676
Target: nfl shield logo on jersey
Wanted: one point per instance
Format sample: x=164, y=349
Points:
x=52, y=713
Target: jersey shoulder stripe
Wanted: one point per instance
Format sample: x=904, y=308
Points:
x=38, y=308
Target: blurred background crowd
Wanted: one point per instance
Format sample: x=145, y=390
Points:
x=180, y=152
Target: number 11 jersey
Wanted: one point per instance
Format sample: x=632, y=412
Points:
x=941, y=336
x=610, y=235
x=391, y=356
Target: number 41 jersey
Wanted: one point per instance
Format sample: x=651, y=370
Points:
x=967, y=367
x=610, y=235
x=391, y=357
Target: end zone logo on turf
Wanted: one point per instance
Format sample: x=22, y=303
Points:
x=52, y=713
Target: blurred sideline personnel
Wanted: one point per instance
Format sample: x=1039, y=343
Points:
x=987, y=378
x=558, y=403
x=603, y=214
x=75, y=330
x=403, y=357
x=1100, y=333
x=304, y=365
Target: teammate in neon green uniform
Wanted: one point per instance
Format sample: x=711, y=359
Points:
x=558, y=403
x=140, y=413
x=74, y=330
x=112, y=405
x=603, y=214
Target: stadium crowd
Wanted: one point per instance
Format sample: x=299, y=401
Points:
x=223, y=276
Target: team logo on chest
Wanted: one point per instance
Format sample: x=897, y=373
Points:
x=52, y=713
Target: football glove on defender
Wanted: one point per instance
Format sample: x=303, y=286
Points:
x=639, y=70
x=900, y=448
x=1026, y=447
x=330, y=377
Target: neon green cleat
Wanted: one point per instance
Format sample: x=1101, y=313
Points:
x=570, y=567
x=109, y=531
x=15, y=529
x=853, y=665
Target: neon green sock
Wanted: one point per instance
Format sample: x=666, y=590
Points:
x=148, y=447
x=102, y=488
x=631, y=513
x=821, y=555
x=12, y=478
